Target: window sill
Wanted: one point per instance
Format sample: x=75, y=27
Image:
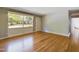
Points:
x=20, y=27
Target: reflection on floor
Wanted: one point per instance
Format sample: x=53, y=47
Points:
x=38, y=41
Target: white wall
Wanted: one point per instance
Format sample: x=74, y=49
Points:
x=18, y=31
x=57, y=22
x=3, y=23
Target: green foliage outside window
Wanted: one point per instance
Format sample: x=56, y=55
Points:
x=14, y=19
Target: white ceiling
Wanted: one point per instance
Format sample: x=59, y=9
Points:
x=44, y=10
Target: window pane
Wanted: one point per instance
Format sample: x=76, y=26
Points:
x=15, y=20
x=28, y=21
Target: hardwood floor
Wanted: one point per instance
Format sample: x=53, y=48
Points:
x=35, y=42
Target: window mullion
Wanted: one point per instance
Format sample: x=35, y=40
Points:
x=23, y=21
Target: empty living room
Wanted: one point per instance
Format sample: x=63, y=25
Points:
x=39, y=29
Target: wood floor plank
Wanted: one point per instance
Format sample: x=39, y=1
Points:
x=36, y=42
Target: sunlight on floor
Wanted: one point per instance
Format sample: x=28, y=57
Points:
x=21, y=45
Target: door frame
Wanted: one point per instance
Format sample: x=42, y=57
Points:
x=72, y=14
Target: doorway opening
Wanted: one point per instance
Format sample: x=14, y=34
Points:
x=74, y=30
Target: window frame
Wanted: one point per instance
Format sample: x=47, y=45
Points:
x=17, y=13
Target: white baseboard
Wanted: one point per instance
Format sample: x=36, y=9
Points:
x=59, y=33
x=44, y=31
x=13, y=35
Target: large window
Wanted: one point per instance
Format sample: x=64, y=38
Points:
x=17, y=20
